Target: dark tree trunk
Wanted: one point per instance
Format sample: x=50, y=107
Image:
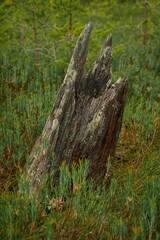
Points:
x=35, y=33
x=145, y=22
x=86, y=117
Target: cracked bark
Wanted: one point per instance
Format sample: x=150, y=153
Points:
x=86, y=117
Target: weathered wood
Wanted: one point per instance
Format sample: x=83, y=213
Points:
x=86, y=117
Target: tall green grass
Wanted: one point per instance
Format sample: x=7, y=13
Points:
x=127, y=209
x=128, y=206
x=27, y=94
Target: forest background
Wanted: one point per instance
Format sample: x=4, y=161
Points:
x=37, y=39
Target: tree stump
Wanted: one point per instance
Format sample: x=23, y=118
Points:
x=86, y=117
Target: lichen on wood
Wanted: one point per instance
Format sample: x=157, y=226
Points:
x=86, y=117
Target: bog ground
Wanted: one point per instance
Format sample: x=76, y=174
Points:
x=36, y=43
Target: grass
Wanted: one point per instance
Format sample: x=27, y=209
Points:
x=128, y=209
x=128, y=206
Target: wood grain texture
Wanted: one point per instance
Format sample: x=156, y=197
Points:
x=86, y=117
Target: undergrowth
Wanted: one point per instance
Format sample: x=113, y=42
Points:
x=128, y=206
